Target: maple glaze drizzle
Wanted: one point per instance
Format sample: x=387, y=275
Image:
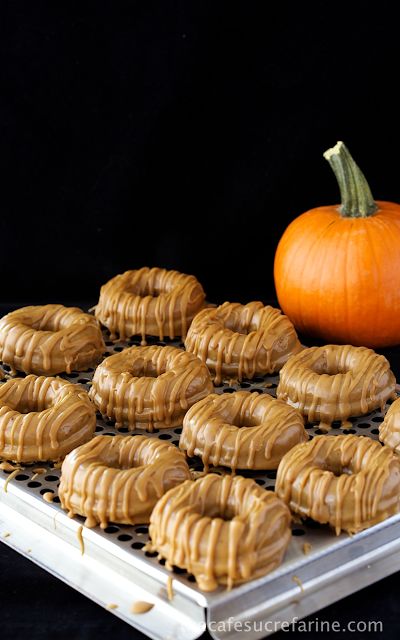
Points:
x=50, y=339
x=335, y=382
x=389, y=429
x=348, y=481
x=119, y=478
x=222, y=529
x=241, y=341
x=241, y=430
x=154, y=302
x=147, y=387
x=43, y=418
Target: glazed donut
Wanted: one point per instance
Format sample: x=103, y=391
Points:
x=350, y=482
x=240, y=341
x=119, y=478
x=222, y=529
x=335, y=382
x=149, y=387
x=50, y=339
x=43, y=418
x=154, y=302
x=389, y=429
x=241, y=430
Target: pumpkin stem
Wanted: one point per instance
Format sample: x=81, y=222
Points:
x=357, y=200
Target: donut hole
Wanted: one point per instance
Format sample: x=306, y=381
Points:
x=241, y=324
x=145, y=288
x=243, y=421
x=337, y=469
x=142, y=368
x=128, y=456
x=336, y=465
x=31, y=404
x=331, y=368
x=216, y=510
x=50, y=323
x=35, y=396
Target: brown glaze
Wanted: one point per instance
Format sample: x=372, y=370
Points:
x=119, y=478
x=389, y=430
x=140, y=606
x=149, y=387
x=241, y=430
x=240, y=341
x=350, y=482
x=154, y=302
x=222, y=529
x=50, y=339
x=79, y=535
x=43, y=418
x=335, y=382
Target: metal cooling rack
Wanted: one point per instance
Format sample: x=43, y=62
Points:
x=115, y=569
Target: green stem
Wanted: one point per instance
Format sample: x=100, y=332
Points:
x=357, y=200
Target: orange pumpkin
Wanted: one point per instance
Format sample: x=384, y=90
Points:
x=337, y=268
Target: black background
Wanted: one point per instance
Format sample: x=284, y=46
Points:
x=185, y=135
x=182, y=134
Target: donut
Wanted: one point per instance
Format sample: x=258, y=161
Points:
x=350, y=482
x=154, y=302
x=119, y=478
x=50, y=339
x=43, y=418
x=149, y=387
x=222, y=529
x=389, y=429
x=241, y=430
x=241, y=341
x=335, y=382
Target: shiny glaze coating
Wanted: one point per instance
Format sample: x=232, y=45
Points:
x=50, y=339
x=241, y=341
x=149, y=387
x=43, y=418
x=241, y=430
x=222, y=529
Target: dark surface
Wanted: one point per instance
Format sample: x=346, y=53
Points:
x=182, y=134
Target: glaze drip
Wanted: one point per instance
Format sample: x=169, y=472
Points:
x=154, y=302
x=350, y=482
x=335, y=382
x=43, y=418
x=241, y=430
x=241, y=341
x=50, y=339
x=222, y=529
x=389, y=430
x=149, y=387
x=119, y=478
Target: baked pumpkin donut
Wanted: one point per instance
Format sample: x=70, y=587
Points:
x=149, y=387
x=43, y=418
x=241, y=430
x=222, y=529
x=50, y=339
x=350, y=482
x=241, y=341
x=119, y=478
x=389, y=429
x=154, y=302
x=335, y=382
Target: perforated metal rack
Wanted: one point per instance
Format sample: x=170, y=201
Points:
x=115, y=569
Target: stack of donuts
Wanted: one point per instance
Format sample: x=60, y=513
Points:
x=222, y=527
